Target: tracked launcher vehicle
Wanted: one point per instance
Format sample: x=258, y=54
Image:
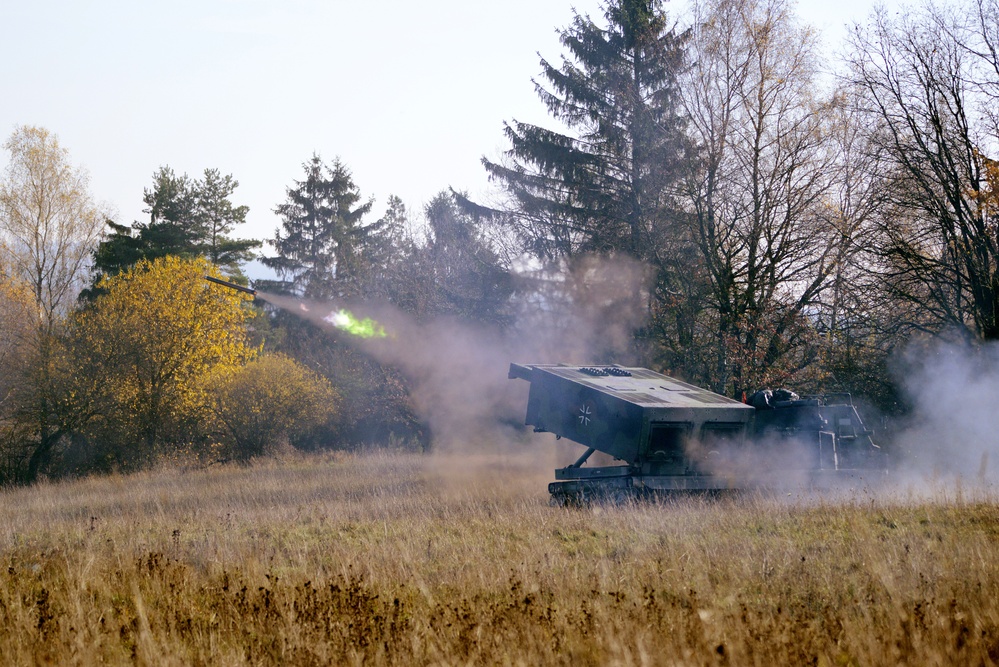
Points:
x=669, y=436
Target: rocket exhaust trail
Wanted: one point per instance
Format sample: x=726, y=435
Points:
x=224, y=283
x=321, y=314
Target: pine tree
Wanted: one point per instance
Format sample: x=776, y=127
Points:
x=387, y=253
x=187, y=218
x=215, y=218
x=170, y=205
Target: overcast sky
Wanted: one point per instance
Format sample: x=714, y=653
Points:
x=409, y=94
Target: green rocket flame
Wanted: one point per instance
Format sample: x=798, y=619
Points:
x=346, y=321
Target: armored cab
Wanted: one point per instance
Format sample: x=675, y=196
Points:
x=825, y=430
x=667, y=435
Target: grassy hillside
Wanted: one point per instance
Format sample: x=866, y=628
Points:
x=410, y=560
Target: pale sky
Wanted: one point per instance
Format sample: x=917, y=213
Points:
x=409, y=94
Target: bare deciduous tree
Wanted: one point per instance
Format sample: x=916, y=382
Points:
x=937, y=243
x=754, y=195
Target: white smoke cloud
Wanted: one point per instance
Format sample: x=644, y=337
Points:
x=954, y=431
x=458, y=371
x=458, y=376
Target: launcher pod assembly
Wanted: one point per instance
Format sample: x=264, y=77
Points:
x=661, y=435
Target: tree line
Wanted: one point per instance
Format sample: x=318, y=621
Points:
x=795, y=226
x=800, y=226
x=117, y=354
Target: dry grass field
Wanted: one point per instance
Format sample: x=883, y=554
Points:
x=448, y=561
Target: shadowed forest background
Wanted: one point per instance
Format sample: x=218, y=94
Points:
x=717, y=198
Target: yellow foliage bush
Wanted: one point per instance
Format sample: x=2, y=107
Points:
x=270, y=400
x=148, y=348
x=18, y=319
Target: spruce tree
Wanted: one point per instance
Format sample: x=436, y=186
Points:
x=604, y=187
x=319, y=244
x=462, y=275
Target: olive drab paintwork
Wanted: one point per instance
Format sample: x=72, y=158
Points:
x=583, y=414
x=614, y=409
x=673, y=436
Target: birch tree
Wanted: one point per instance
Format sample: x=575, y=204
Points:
x=752, y=194
x=49, y=229
x=49, y=223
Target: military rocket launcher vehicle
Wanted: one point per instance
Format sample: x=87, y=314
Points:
x=669, y=436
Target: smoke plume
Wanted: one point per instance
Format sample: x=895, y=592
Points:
x=954, y=431
x=458, y=371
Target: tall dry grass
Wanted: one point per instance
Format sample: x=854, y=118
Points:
x=413, y=560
